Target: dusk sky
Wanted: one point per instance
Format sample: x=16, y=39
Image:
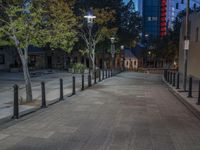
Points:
x=136, y=3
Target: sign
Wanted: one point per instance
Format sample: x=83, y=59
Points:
x=186, y=44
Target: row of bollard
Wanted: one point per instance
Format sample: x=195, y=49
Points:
x=173, y=78
x=103, y=74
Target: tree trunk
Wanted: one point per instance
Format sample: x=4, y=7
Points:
x=24, y=60
x=27, y=79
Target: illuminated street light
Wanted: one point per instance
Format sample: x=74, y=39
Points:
x=113, y=51
x=90, y=20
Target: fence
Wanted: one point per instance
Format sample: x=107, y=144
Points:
x=52, y=92
x=192, y=87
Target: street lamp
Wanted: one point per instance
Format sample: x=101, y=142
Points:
x=90, y=20
x=122, y=57
x=113, y=51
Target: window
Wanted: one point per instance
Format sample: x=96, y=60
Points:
x=197, y=34
x=182, y=1
x=2, y=59
x=194, y=6
x=152, y=18
x=177, y=6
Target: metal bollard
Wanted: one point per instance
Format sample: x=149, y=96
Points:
x=177, y=80
x=89, y=81
x=168, y=76
x=190, y=88
x=83, y=83
x=73, y=85
x=95, y=77
x=16, y=102
x=198, y=102
x=99, y=75
x=171, y=76
x=174, y=79
x=103, y=74
x=43, y=95
x=165, y=75
x=106, y=73
x=61, y=90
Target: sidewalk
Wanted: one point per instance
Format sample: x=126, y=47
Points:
x=128, y=111
x=52, y=90
x=190, y=103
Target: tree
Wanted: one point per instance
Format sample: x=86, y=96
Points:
x=21, y=25
x=110, y=6
x=38, y=23
x=100, y=32
x=130, y=25
x=61, y=24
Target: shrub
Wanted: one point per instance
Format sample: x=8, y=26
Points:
x=78, y=68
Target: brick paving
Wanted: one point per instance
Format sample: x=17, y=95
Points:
x=131, y=111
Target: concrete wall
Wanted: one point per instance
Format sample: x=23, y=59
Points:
x=194, y=50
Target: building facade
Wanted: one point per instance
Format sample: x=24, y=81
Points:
x=151, y=18
x=176, y=6
x=130, y=60
x=194, y=52
x=159, y=15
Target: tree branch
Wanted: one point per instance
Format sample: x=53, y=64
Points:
x=4, y=21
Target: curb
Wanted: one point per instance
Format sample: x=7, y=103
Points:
x=28, y=111
x=21, y=114
x=190, y=107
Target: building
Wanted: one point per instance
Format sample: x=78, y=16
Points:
x=176, y=6
x=140, y=7
x=8, y=58
x=159, y=15
x=39, y=58
x=193, y=53
x=130, y=62
x=151, y=18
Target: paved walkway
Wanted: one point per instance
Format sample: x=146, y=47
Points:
x=128, y=112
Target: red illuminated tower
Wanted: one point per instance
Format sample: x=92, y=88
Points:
x=163, y=19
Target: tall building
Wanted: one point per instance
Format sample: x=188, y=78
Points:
x=140, y=7
x=151, y=11
x=175, y=6
x=159, y=15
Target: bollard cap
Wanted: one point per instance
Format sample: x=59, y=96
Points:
x=15, y=86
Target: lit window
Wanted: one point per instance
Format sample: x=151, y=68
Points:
x=154, y=19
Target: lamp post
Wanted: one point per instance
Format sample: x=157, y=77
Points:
x=122, y=57
x=186, y=45
x=90, y=20
x=113, y=51
x=145, y=59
